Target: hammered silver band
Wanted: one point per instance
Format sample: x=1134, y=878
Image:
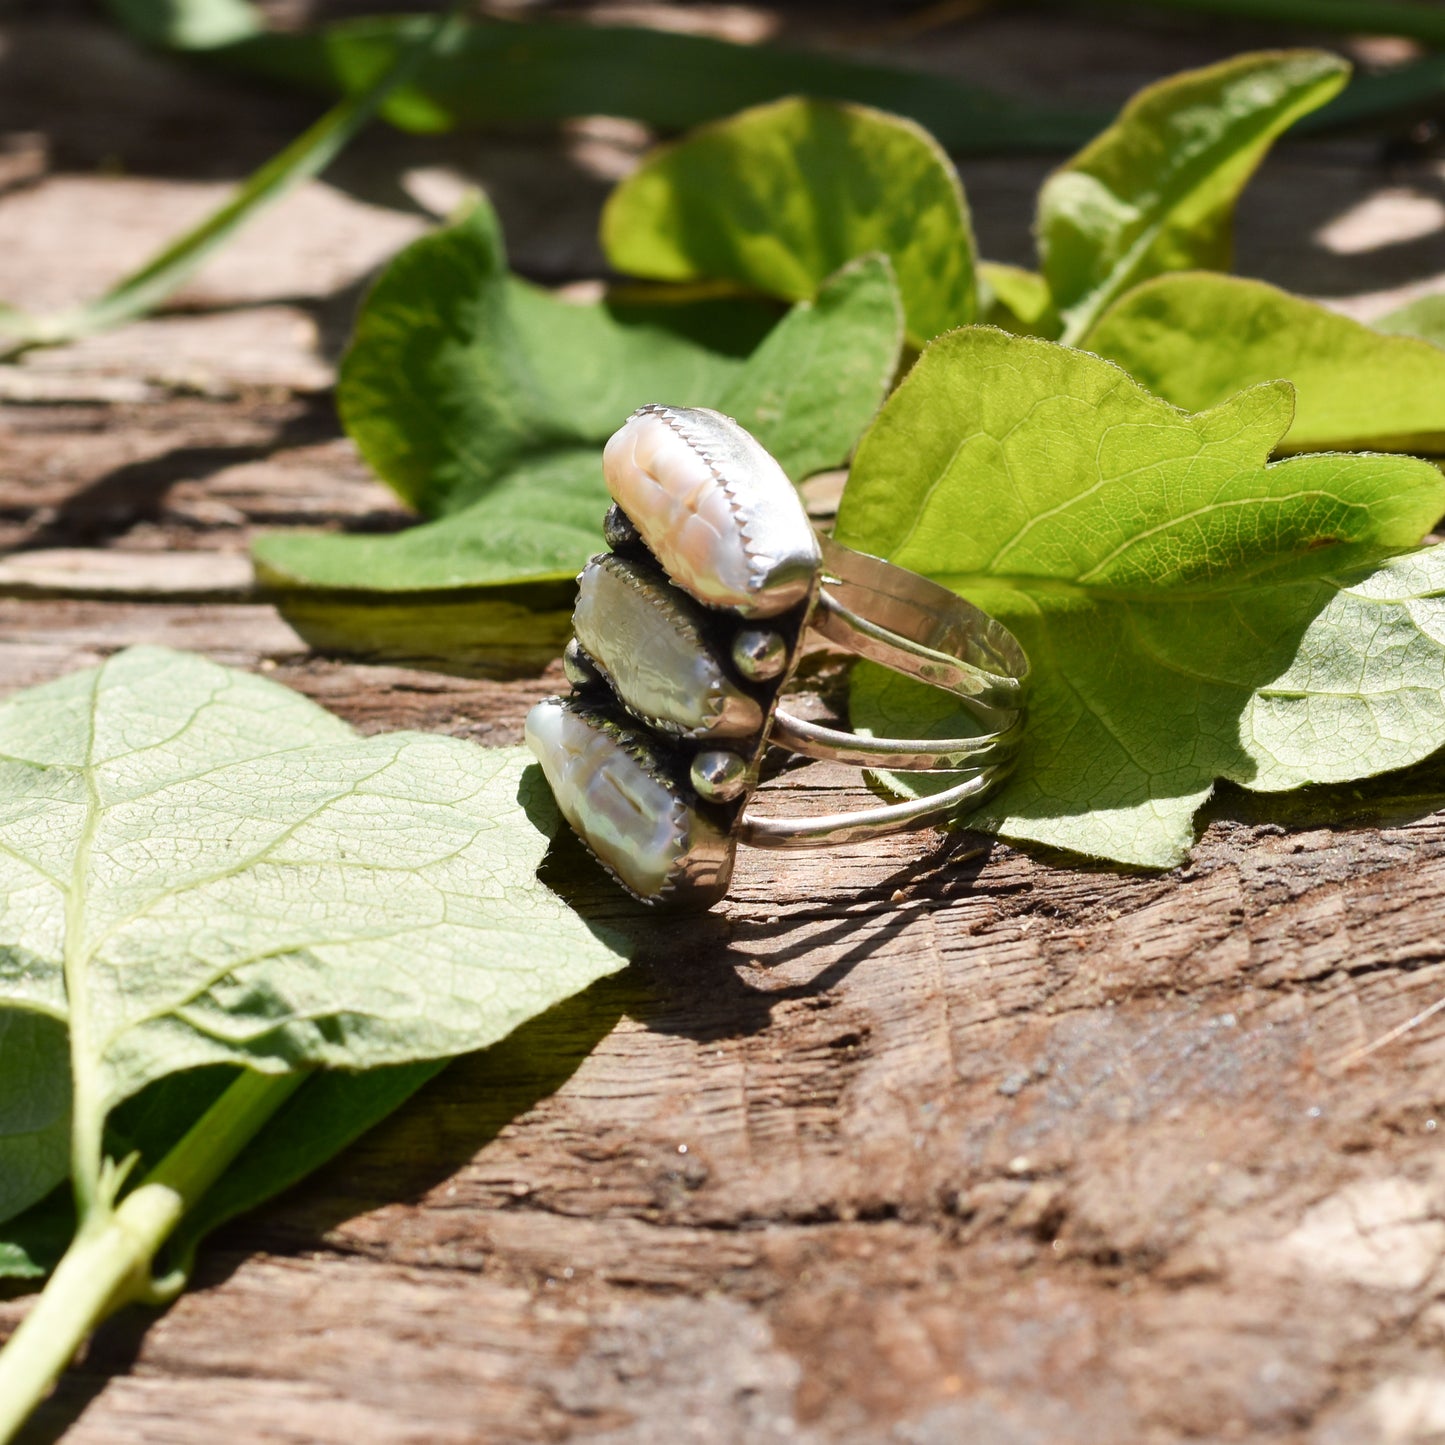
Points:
x=914, y=626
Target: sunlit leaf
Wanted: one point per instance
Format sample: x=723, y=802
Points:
x=1197, y=339
x=1191, y=611
x=1156, y=191
x=198, y=866
x=779, y=197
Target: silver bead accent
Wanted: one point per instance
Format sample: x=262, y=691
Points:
x=618, y=531
x=579, y=669
x=613, y=785
x=716, y=510
x=718, y=776
x=760, y=655
x=649, y=642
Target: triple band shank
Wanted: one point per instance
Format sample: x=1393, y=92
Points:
x=688, y=632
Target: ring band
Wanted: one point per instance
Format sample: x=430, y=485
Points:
x=688, y=630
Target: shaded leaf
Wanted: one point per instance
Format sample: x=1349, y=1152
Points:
x=497, y=417
x=459, y=374
x=1156, y=191
x=1197, y=339
x=811, y=387
x=1016, y=300
x=529, y=529
x=781, y=196
x=502, y=631
x=32, y=1243
x=34, y=1109
x=1191, y=612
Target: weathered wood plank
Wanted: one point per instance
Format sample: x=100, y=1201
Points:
x=929, y=1141
x=915, y=1130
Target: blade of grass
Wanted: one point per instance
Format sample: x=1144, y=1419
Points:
x=307, y=156
x=1412, y=19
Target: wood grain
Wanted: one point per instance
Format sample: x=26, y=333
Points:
x=929, y=1141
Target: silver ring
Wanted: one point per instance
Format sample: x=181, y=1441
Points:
x=688, y=630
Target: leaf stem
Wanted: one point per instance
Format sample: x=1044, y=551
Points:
x=143, y=290
x=109, y=1263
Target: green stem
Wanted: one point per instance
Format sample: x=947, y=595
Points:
x=308, y=155
x=109, y=1263
x=1408, y=18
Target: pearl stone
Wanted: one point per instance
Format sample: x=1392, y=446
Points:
x=716, y=510
x=613, y=785
x=649, y=642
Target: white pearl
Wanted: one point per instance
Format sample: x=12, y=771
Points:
x=715, y=509
x=647, y=639
x=612, y=788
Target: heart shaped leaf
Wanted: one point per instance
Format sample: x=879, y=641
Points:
x=447, y=400
x=458, y=373
x=779, y=197
x=1191, y=611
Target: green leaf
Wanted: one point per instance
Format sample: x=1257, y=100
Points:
x=1190, y=611
x=458, y=373
x=198, y=866
x=32, y=1243
x=779, y=197
x=1420, y=21
x=366, y=602
x=812, y=386
x=331, y=1110
x=327, y=1113
x=519, y=73
x=529, y=529
x=1016, y=300
x=34, y=1109
x=1156, y=191
x=1197, y=339
x=489, y=402
x=1424, y=318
